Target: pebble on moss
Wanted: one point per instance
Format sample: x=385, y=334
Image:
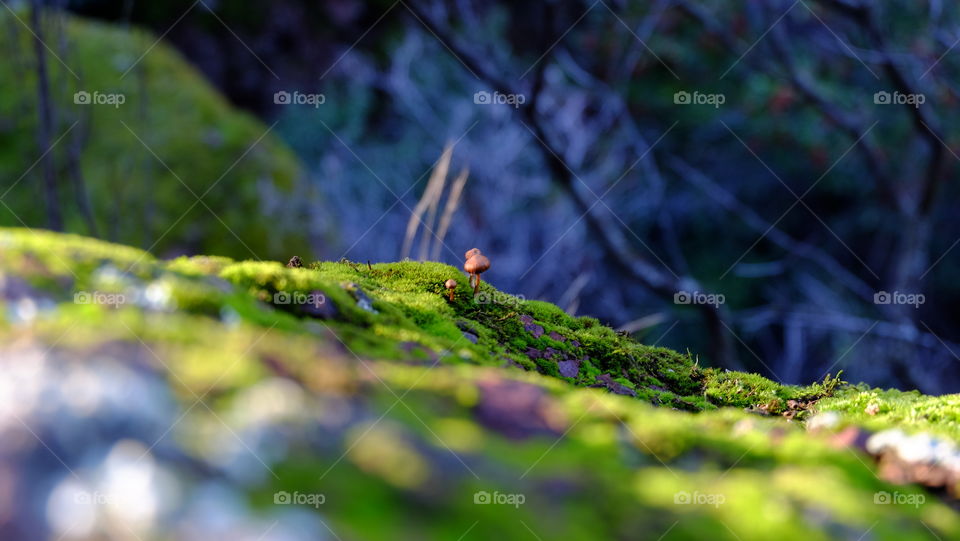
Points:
x=569, y=369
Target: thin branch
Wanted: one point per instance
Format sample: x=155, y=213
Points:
x=45, y=124
x=801, y=249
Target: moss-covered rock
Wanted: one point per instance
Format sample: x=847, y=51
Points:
x=144, y=162
x=358, y=399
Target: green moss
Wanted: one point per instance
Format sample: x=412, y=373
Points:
x=199, y=265
x=907, y=410
x=408, y=305
x=417, y=419
x=548, y=313
x=144, y=163
x=740, y=389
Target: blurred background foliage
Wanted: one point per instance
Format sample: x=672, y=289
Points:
x=135, y=172
x=798, y=199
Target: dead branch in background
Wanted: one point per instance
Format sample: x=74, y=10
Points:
x=912, y=254
x=77, y=136
x=430, y=198
x=570, y=300
x=729, y=202
x=453, y=202
x=912, y=201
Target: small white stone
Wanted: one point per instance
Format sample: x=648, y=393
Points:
x=917, y=448
x=943, y=450
x=26, y=310
x=824, y=421
x=158, y=296
x=886, y=439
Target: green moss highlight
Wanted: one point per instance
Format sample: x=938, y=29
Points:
x=742, y=389
x=909, y=411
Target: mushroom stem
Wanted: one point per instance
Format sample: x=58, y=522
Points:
x=451, y=295
x=476, y=287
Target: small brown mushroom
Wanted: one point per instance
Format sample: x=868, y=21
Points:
x=295, y=262
x=470, y=253
x=451, y=286
x=474, y=266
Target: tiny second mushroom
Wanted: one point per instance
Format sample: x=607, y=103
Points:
x=475, y=265
x=451, y=286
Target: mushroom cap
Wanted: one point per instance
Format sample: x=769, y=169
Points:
x=477, y=264
x=450, y=284
x=471, y=252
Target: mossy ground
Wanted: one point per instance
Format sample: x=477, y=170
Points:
x=403, y=410
x=910, y=411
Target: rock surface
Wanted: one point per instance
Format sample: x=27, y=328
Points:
x=148, y=399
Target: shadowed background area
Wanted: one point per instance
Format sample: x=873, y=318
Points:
x=770, y=184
